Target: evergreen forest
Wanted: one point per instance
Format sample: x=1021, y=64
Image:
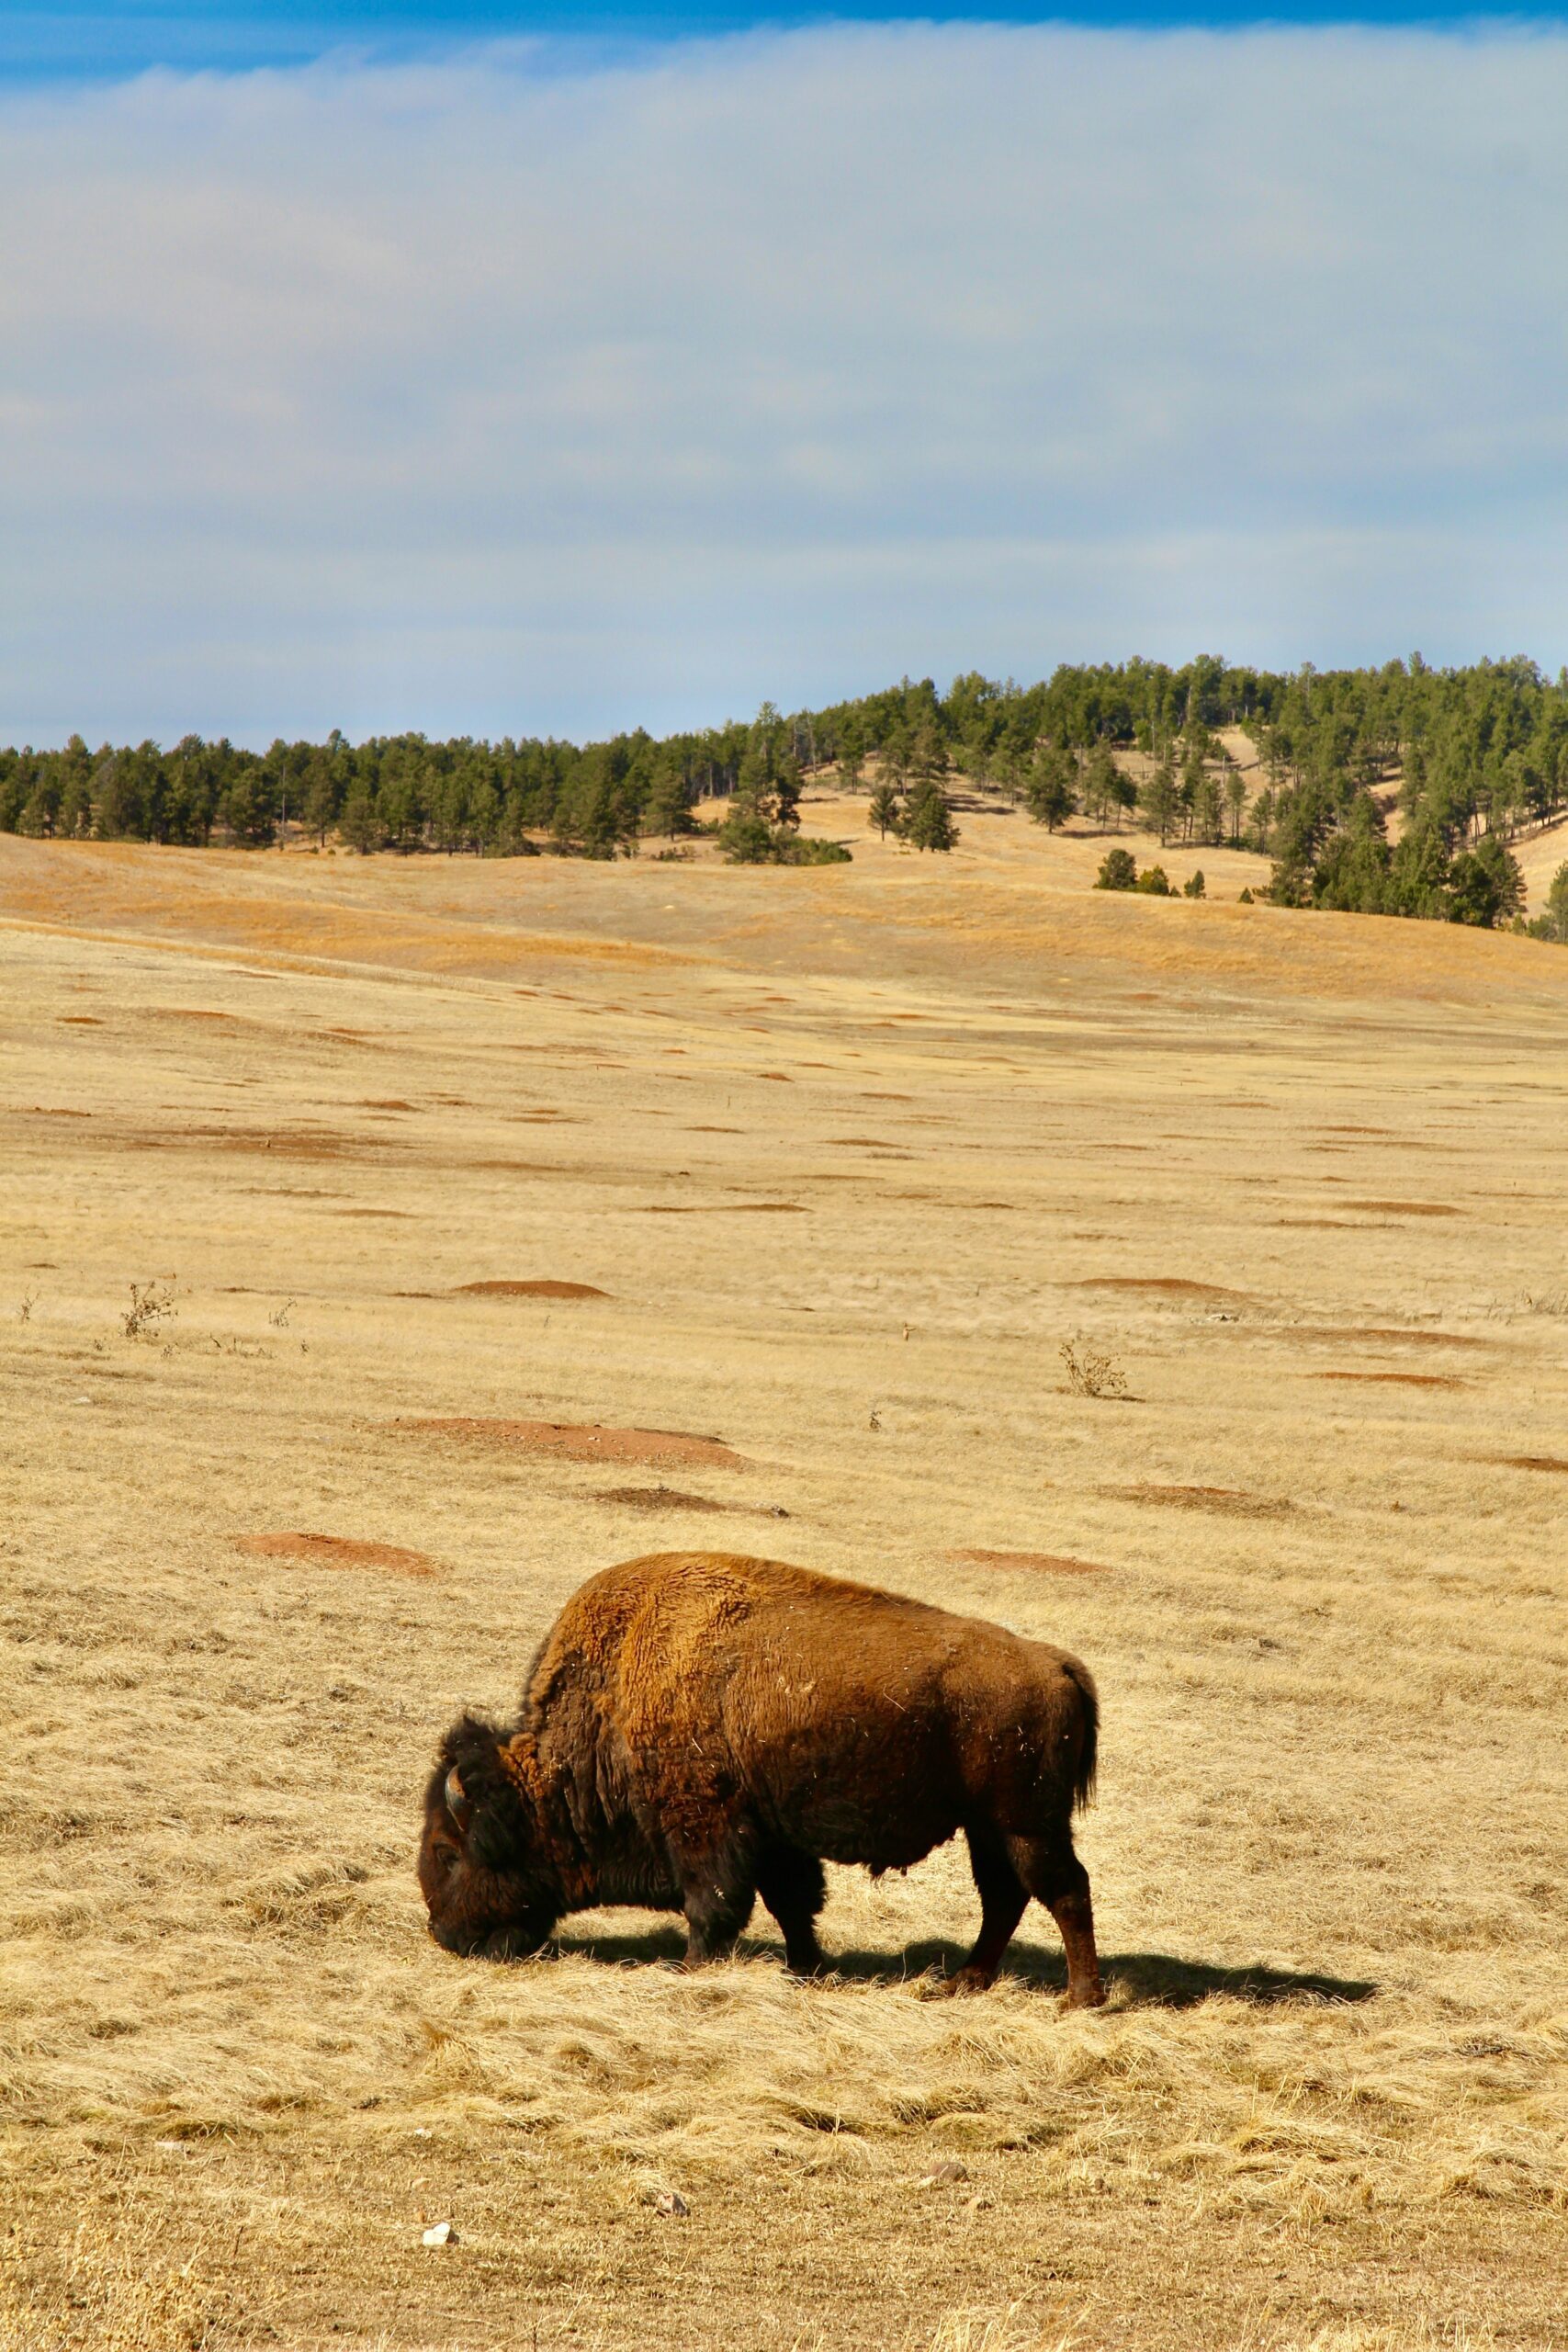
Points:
x=1470, y=758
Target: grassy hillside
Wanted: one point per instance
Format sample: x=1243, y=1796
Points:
x=849, y=1153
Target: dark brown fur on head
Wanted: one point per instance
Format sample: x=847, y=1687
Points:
x=486, y=1886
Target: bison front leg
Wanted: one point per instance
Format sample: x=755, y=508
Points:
x=792, y=1886
x=717, y=1894
x=1002, y=1900
x=1056, y=1877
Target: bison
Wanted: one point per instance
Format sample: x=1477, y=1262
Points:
x=700, y=1728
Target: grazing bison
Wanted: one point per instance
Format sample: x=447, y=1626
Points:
x=700, y=1728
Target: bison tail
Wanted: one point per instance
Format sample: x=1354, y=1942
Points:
x=1089, y=1734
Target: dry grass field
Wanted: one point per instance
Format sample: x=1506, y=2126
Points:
x=849, y=1153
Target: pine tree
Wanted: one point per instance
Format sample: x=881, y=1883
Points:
x=1159, y=800
x=930, y=821
x=1049, y=793
x=883, y=811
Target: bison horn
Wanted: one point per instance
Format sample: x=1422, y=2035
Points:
x=455, y=1797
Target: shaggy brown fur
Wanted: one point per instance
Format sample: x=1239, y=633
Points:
x=700, y=1728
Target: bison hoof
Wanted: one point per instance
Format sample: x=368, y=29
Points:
x=1086, y=1996
x=969, y=1979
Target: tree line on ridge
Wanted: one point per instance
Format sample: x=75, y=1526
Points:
x=1471, y=756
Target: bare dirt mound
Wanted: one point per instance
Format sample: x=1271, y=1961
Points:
x=1161, y=1285
x=1532, y=1462
x=1233, y=1502
x=1051, y=1563
x=1398, y=1379
x=338, y=1551
x=585, y=1441
x=544, y=1289
x=663, y=1497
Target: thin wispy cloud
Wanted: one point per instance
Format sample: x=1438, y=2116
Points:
x=500, y=393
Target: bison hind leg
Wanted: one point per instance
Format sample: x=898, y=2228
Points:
x=1056, y=1877
x=792, y=1886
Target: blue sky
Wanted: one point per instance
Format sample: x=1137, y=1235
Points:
x=113, y=37
x=455, y=379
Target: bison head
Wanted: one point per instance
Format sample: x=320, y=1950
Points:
x=486, y=1886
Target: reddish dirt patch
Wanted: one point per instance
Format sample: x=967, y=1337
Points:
x=716, y=1131
x=384, y=1102
x=193, y=1012
x=586, y=1441
x=1406, y=1209
x=1357, y=1131
x=1052, y=1564
x=1163, y=1285
x=886, y=1098
x=867, y=1143
x=1321, y=1225
x=1398, y=1379
x=80, y=1021
x=779, y=1076
x=545, y=1289
x=1233, y=1502
x=338, y=1551
x=1533, y=1462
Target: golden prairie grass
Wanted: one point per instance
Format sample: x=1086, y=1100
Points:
x=1327, y=2106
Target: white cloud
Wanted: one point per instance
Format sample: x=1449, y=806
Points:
x=498, y=395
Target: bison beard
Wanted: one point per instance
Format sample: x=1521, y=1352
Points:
x=700, y=1728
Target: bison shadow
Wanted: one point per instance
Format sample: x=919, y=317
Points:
x=1137, y=1980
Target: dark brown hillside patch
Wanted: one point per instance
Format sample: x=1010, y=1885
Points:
x=1397, y=1379
x=1051, y=1563
x=663, y=1497
x=545, y=1288
x=584, y=1442
x=712, y=1208
x=338, y=1551
x=1406, y=1209
x=1231, y=1502
x=1532, y=1462
x=1382, y=1334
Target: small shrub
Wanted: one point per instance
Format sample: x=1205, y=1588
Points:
x=1245, y=899
x=151, y=1304
x=1155, y=881
x=792, y=851
x=1118, y=871
x=1193, y=885
x=1092, y=1371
